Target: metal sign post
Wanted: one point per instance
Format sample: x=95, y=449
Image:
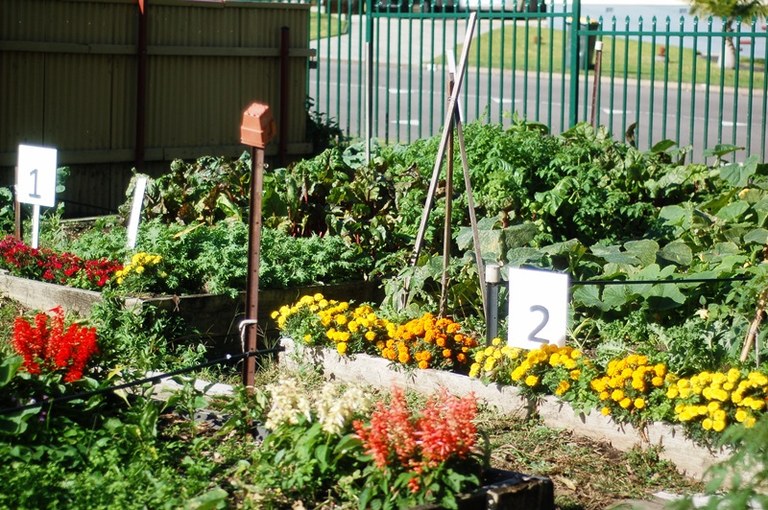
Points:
x=257, y=130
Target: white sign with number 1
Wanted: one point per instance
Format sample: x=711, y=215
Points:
x=538, y=308
x=36, y=181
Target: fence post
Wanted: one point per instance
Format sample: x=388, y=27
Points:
x=573, y=103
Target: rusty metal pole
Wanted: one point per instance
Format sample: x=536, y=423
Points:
x=141, y=87
x=257, y=129
x=254, y=256
x=282, y=125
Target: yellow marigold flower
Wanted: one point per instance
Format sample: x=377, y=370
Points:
x=617, y=395
x=604, y=395
x=733, y=375
x=598, y=384
x=706, y=424
x=741, y=415
x=625, y=402
x=474, y=370
x=404, y=357
x=370, y=336
x=672, y=392
x=718, y=425
x=562, y=387
x=605, y=411
x=554, y=360
x=423, y=364
x=341, y=347
x=749, y=422
x=274, y=315
x=639, y=403
x=658, y=381
x=531, y=381
x=307, y=338
x=447, y=353
x=496, y=342
x=575, y=374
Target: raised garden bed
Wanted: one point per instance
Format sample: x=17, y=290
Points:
x=688, y=456
x=216, y=316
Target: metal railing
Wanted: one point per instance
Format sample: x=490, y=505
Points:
x=385, y=74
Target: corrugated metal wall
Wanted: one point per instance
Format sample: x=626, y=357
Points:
x=69, y=79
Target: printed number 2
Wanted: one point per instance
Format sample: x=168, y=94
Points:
x=544, y=319
x=34, y=193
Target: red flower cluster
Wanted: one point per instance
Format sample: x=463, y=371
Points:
x=51, y=347
x=399, y=440
x=46, y=265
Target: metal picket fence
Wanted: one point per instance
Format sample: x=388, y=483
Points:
x=382, y=69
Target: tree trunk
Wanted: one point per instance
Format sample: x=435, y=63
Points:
x=728, y=59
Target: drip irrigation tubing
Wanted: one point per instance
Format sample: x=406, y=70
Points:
x=155, y=379
x=653, y=282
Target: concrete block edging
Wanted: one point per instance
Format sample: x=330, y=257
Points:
x=685, y=454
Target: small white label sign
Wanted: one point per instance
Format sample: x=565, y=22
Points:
x=36, y=175
x=538, y=308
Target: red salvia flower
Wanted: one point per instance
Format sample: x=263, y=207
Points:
x=47, y=265
x=53, y=347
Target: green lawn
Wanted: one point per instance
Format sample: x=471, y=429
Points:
x=540, y=48
x=326, y=25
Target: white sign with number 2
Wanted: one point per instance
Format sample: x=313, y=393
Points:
x=538, y=308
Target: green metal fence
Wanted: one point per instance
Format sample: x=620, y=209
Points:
x=383, y=69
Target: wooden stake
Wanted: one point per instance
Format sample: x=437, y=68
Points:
x=751, y=337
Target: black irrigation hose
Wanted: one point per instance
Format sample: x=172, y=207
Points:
x=155, y=379
x=646, y=282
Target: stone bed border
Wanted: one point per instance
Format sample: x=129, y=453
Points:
x=689, y=457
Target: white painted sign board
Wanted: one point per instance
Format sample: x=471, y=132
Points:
x=538, y=308
x=138, y=200
x=36, y=175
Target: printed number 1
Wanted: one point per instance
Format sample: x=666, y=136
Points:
x=34, y=193
x=544, y=319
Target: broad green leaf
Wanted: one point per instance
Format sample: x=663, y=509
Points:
x=519, y=235
x=519, y=256
x=665, y=297
x=589, y=296
x=211, y=500
x=673, y=213
x=616, y=296
x=738, y=174
x=605, y=251
x=732, y=211
x=645, y=250
x=757, y=236
x=677, y=252
x=720, y=150
x=663, y=146
x=8, y=369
